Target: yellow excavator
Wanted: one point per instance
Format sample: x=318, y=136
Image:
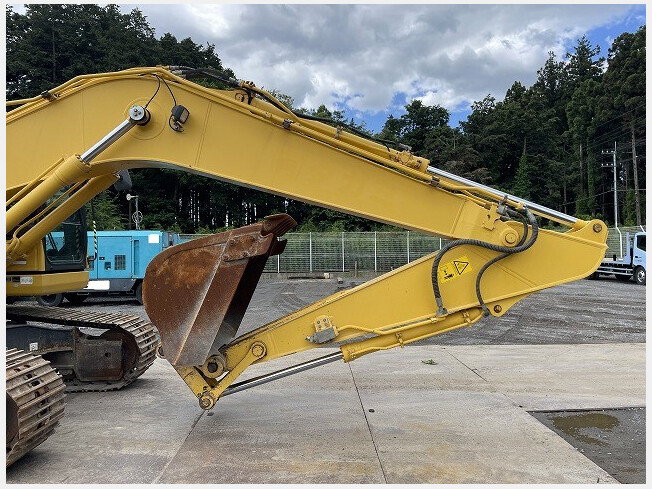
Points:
x=76, y=140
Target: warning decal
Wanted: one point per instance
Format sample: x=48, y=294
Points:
x=460, y=266
x=453, y=269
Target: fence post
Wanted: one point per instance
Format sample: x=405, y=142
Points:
x=278, y=263
x=408, y=246
x=310, y=245
x=342, y=250
x=375, y=252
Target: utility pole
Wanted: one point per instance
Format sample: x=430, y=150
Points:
x=614, y=166
x=636, y=196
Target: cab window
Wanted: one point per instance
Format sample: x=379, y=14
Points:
x=66, y=244
x=640, y=242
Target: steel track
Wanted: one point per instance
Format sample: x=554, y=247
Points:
x=139, y=332
x=35, y=402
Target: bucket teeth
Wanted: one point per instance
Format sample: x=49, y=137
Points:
x=197, y=292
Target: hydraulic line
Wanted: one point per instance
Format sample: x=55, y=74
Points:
x=504, y=250
x=478, y=292
x=212, y=73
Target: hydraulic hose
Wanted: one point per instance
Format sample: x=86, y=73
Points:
x=504, y=250
x=212, y=73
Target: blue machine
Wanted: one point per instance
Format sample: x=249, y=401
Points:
x=119, y=265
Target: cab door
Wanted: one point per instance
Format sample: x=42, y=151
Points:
x=639, y=250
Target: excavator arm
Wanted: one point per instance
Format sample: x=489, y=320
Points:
x=77, y=137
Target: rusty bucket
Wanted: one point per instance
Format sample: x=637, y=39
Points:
x=197, y=292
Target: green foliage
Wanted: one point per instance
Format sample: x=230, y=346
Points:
x=629, y=211
x=544, y=142
x=416, y=127
x=523, y=182
x=105, y=211
x=283, y=98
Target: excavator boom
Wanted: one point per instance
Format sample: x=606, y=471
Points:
x=95, y=126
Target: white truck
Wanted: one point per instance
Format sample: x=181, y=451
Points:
x=631, y=264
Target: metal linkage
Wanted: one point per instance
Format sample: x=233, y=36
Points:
x=279, y=374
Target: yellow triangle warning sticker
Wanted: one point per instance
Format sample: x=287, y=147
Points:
x=453, y=269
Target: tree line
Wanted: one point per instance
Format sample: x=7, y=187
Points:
x=549, y=143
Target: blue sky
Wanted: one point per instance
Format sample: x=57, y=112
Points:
x=601, y=36
x=370, y=60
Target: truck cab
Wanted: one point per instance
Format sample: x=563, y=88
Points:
x=631, y=265
x=638, y=259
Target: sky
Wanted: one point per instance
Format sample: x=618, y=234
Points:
x=370, y=60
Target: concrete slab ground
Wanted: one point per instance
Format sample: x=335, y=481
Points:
x=388, y=417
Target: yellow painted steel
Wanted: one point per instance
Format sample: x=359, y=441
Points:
x=268, y=148
x=404, y=297
x=29, y=284
x=18, y=247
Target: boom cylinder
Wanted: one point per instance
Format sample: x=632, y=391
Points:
x=24, y=243
x=72, y=169
x=137, y=116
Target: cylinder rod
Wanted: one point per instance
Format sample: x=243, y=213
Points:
x=279, y=374
x=538, y=209
x=107, y=141
x=137, y=116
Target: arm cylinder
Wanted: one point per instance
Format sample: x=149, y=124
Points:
x=536, y=208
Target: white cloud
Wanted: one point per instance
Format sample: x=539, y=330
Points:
x=363, y=55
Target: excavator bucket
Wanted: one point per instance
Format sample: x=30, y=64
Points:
x=197, y=292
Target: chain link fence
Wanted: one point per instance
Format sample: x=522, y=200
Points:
x=349, y=251
x=369, y=251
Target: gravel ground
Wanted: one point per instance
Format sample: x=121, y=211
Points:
x=613, y=438
x=586, y=311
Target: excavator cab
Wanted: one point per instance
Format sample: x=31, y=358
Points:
x=65, y=251
x=65, y=246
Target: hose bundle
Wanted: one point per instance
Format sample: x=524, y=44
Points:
x=504, y=250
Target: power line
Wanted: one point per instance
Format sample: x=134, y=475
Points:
x=621, y=115
x=600, y=194
x=618, y=132
x=595, y=143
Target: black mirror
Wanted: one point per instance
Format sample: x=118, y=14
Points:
x=124, y=181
